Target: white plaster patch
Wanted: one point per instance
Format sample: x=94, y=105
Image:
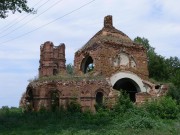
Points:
x=124, y=59
x=133, y=63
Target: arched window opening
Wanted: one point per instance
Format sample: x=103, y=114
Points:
x=99, y=98
x=87, y=64
x=29, y=100
x=128, y=85
x=54, y=100
x=55, y=71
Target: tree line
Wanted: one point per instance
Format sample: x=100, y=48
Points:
x=163, y=69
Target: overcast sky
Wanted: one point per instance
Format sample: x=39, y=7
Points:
x=21, y=35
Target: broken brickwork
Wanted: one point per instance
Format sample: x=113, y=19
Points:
x=109, y=62
x=52, y=59
x=82, y=91
x=112, y=51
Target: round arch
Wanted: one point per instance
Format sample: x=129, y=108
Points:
x=99, y=97
x=100, y=90
x=128, y=82
x=129, y=86
x=29, y=94
x=54, y=99
x=136, y=80
x=30, y=99
x=87, y=64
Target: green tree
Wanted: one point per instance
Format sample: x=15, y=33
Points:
x=156, y=63
x=173, y=64
x=70, y=69
x=160, y=68
x=174, y=92
x=145, y=42
x=175, y=78
x=14, y=6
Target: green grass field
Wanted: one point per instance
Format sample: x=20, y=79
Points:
x=125, y=119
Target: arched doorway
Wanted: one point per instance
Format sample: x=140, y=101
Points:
x=54, y=100
x=99, y=98
x=129, y=86
x=87, y=64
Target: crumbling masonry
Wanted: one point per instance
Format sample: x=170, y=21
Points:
x=110, y=61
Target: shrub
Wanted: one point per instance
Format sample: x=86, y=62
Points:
x=5, y=110
x=139, y=122
x=123, y=103
x=73, y=106
x=164, y=107
x=100, y=107
x=42, y=109
x=174, y=92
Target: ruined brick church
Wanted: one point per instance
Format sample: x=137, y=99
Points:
x=110, y=61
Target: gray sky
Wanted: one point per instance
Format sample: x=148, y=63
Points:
x=156, y=20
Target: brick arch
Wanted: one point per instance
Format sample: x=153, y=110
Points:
x=48, y=94
x=30, y=98
x=100, y=90
x=54, y=96
x=99, y=95
x=136, y=79
x=85, y=63
x=29, y=89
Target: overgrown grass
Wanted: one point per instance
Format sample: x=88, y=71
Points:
x=124, y=119
x=67, y=77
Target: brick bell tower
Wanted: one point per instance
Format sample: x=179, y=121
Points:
x=52, y=59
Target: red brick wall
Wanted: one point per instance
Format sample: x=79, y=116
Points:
x=52, y=59
x=103, y=54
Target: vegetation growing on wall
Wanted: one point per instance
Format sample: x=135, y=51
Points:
x=68, y=76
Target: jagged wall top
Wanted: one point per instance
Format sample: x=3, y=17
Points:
x=52, y=59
